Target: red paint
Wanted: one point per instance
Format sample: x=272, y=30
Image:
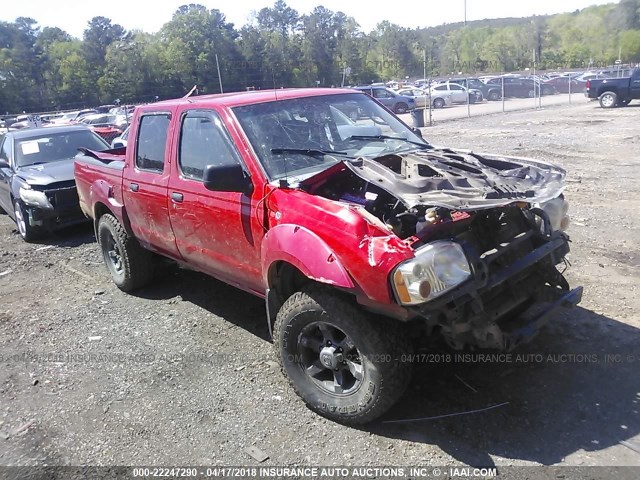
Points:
x=223, y=234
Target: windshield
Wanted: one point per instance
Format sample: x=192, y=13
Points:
x=55, y=147
x=340, y=126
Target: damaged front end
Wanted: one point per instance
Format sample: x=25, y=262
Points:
x=486, y=232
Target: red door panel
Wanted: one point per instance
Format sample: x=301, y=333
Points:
x=145, y=181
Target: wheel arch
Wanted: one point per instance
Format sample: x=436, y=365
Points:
x=101, y=208
x=608, y=89
x=293, y=256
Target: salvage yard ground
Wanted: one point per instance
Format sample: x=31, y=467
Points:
x=182, y=372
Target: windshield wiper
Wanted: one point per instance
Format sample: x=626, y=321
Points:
x=386, y=137
x=310, y=152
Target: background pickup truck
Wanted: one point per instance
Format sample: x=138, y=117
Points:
x=614, y=92
x=365, y=241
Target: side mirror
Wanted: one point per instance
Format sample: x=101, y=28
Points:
x=4, y=164
x=227, y=178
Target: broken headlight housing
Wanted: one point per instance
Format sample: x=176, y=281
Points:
x=34, y=198
x=556, y=209
x=437, y=268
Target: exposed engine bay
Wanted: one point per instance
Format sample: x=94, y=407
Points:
x=418, y=190
x=507, y=215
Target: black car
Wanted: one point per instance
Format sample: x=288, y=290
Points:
x=521, y=87
x=37, y=187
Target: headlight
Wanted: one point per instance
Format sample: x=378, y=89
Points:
x=556, y=210
x=34, y=198
x=437, y=268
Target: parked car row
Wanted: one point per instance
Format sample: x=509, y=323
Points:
x=490, y=87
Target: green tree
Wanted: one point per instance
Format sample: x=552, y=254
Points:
x=630, y=45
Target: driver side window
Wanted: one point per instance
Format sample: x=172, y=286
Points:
x=204, y=142
x=5, y=150
x=381, y=93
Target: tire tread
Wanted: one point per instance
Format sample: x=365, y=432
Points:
x=138, y=261
x=384, y=335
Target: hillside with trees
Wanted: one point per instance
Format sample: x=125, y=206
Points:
x=44, y=69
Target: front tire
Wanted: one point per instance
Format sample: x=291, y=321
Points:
x=345, y=366
x=130, y=265
x=608, y=100
x=26, y=231
x=494, y=96
x=438, y=103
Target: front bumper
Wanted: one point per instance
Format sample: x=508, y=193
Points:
x=54, y=219
x=65, y=212
x=513, y=293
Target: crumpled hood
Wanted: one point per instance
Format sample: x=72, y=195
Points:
x=47, y=173
x=461, y=179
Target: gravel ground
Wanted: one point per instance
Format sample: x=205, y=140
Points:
x=183, y=371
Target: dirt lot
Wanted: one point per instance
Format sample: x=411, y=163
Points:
x=183, y=372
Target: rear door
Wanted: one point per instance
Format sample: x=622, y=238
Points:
x=145, y=180
x=217, y=232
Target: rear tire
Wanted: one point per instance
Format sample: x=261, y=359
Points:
x=130, y=265
x=608, y=100
x=401, y=108
x=438, y=103
x=345, y=366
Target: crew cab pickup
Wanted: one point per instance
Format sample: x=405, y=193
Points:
x=615, y=92
x=365, y=241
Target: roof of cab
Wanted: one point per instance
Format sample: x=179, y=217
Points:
x=236, y=99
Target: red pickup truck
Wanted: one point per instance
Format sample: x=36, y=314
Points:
x=365, y=240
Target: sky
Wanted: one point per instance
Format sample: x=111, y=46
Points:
x=149, y=15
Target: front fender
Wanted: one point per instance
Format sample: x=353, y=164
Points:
x=307, y=252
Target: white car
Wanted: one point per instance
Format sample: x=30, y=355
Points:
x=459, y=94
x=121, y=141
x=438, y=99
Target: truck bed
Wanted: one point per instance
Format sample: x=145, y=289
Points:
x=99, y=171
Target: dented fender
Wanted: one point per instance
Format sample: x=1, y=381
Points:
x=102, y=192
x=307, y=252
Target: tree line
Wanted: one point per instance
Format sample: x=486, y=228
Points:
x=45, y=69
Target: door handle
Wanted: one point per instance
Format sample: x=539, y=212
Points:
x=134, y=187
x=177, y=197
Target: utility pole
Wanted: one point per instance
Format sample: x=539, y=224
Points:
x=465, y=13
x=219, y=77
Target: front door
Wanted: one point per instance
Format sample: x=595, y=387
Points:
x=6, y=174
x=217, y=232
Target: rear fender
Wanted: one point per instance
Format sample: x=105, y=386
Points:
x=101, y=197
x=307, y=252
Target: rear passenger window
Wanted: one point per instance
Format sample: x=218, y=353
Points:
x=204, y=142
x=152, y=142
